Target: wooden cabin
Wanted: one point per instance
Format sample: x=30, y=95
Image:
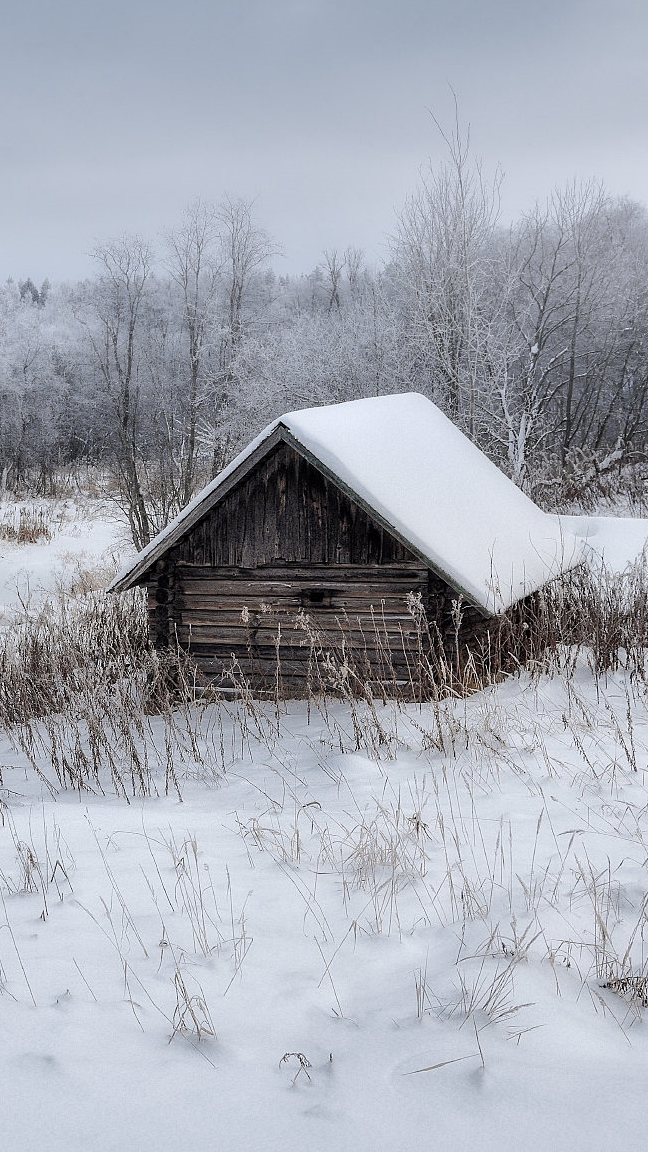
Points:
x=360, y=542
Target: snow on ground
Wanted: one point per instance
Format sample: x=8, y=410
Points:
x=88, y=541
x=408, y=928
x=403, y=948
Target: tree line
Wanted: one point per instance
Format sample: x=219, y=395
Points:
x=533, y=338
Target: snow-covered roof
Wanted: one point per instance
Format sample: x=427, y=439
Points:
x=410, y=466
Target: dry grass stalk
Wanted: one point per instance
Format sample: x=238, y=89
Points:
x=191, y=1016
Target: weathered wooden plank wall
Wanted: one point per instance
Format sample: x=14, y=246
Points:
x=287, y=510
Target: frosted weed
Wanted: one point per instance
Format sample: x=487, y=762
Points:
x=303, y=1064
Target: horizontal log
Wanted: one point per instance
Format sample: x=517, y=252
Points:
x=376, y=600
x=218, y=615
x=295, y=591
x=300, y=593
x=344, y=607
x=297, y=572
x=293, y=651
x=291, y=668
x=239, y=588
x=257, y=613
x=332, y=641
x=336, y=622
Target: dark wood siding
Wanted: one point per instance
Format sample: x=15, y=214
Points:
x=286, y=510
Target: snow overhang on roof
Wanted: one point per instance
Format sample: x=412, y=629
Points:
x=409, y=466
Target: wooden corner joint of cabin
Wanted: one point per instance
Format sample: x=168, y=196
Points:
x=160, y=587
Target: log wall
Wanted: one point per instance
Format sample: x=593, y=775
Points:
x=276, y=619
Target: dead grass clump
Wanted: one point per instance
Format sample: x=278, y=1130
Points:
x=303, y=1064
x=634, y=989
x=79, y=686
x=49, y=656
x=594, y=610
x=590, y=481
x=82, y=575
x=191, y=1015
x=26, y=525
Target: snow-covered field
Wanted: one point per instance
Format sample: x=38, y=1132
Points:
x=400, y=928
x=88, y=541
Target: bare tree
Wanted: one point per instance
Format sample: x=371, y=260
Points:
x=30, y=390
x=244, y=248
x=441, y=248
x=194, y=263
x=118, y=303
x=568, y=328
x=334, y=268
x=354, y=261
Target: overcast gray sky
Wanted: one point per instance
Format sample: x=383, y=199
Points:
x=114, y=116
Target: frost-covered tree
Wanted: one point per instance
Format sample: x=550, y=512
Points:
x=442, y=253
x=114, y=319
x=195, y=262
